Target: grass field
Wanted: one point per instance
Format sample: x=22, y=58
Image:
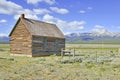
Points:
x=93, y=62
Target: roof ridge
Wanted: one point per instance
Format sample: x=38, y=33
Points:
x=39, y=21
x=36, y=27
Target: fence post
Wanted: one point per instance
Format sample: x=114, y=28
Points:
x=69, y=55
x=74, y=53
x=118, y=50
x=62, y=52
x=96, y=56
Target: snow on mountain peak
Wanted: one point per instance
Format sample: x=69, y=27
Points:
x=96, y=33
x=3, y=35
x=103, y=33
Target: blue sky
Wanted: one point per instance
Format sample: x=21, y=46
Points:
x=69, y=15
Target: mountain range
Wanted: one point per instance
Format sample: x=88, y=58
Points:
x=89, y=37
x=4, y=39
x=94, y=37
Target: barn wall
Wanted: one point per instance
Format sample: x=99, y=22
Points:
x=37, y=45
x=42, y=46
x=60, y=44
x=20, y=40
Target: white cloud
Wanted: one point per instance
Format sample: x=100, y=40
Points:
x=41, y=11
x=2, y=35
x=3, y=21
x=99, y=26
x=28, y=14
x=82, y=11
x=66, y=33
x=59, y=10
x=10, y=8
x=50, y=2
x=64, y=25
x=76, y=25
x=89, y=8
x=99, y=29
x=49, y=19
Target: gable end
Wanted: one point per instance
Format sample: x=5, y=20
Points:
x=16, y=26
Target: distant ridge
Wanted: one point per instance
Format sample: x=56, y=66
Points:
x=4, y=39
x=88, y=37
x=94, y=37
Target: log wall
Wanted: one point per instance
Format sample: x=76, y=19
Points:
x=42, y=46
x=20, y=40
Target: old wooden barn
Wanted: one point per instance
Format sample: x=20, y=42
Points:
x=35, y=38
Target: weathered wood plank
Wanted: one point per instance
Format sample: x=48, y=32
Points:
x=20, y=41
x=37, y=41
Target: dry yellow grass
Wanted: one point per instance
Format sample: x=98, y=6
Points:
x=53, y=67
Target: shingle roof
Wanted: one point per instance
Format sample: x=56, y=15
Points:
x=40, y=28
